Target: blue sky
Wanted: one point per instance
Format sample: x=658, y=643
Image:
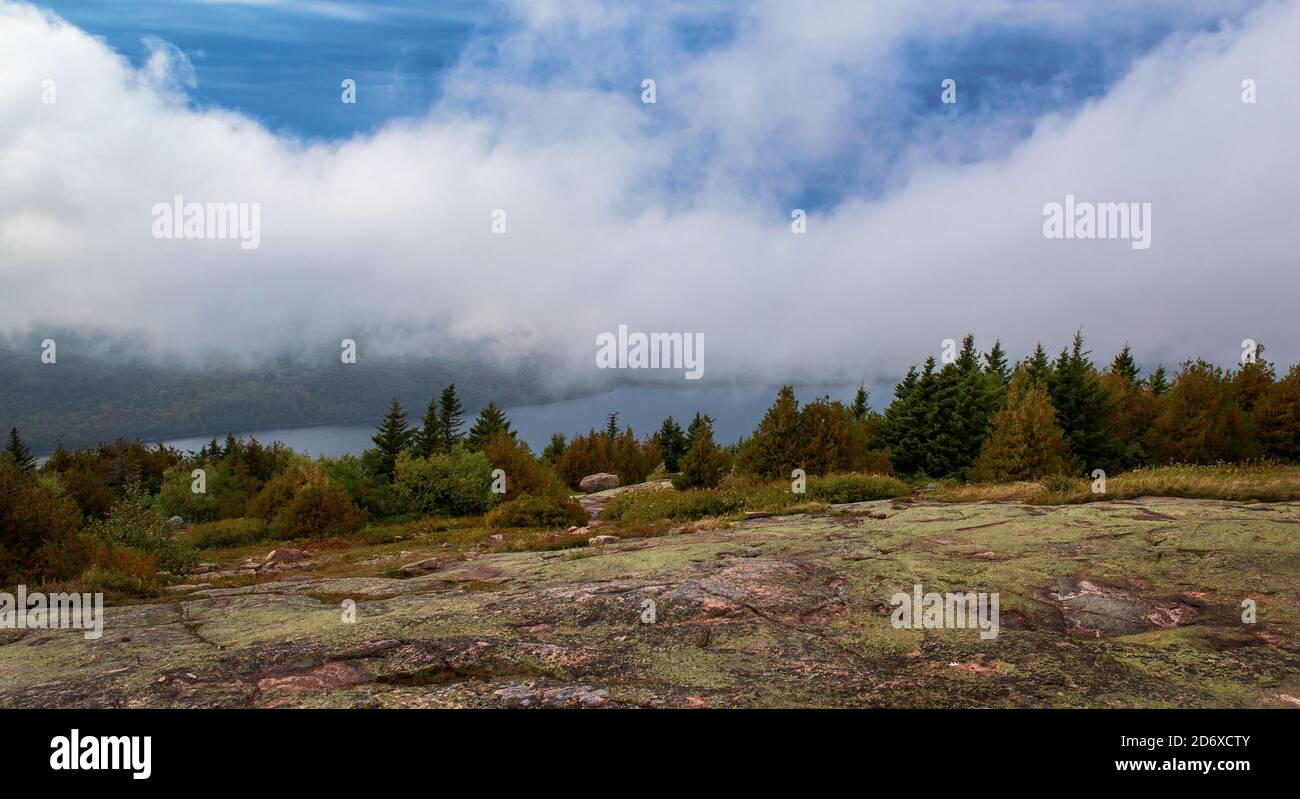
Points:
x=925, y=220
x=281, y=62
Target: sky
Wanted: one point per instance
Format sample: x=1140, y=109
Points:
x=924, y=219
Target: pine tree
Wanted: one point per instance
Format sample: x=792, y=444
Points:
x=1124, y=366
x=555, y=449
x=393, y=436
x=429, y=439
x=17, y=449
x=1252, y=380
x=672, y=444
x=1024, y=442
x=996, y=363
x=491, y=421
x=1083, y=406
x=1157, y=381
x=611, y=425
x=451, y=415
x=777, y=445
x=1277, y=417
x=698, y=423
x=1038, y=367
x=705, y=464
x=860, y=407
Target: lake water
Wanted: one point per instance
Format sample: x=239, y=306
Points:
x=736, y=412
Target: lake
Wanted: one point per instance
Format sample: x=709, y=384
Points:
x=736, y=412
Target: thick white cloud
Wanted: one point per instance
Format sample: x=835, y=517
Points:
x=387, y=237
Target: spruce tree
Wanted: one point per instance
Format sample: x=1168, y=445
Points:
x=1038, y=367
x=18, y=450
x=996, y=363
x=429, y=439
x=555, y=449
x=1024, y=441
x=491, y=421
x=392, y=436
x=1083, y=406
x=705, y=464
x=860, y=406
x=451, y=415
x=1157, y=382
x=696, y=426
x=1277, y=417
x=777, y=445
x=611, y=425
x=1124, y=366
x=672, y=444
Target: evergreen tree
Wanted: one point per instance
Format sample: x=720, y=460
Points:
x=996, y=363
x=611, y=425
x=1252, y=380
x=1038, y=367
x=1124, y=366
x=491, y=421
x=705, y=464
x=777, y=445
x=672, y=444
x=554, y=450
x=1157, y=381
x=860, y=407
x=18, y=450
x=393, y=436
x=908, y=419
x=1200, y=420
x=451, y=415
x=429, y=439
x=697, y=425
x=1277, y=417
x=61, y=459
x=1082, y=406
x=1024, y=442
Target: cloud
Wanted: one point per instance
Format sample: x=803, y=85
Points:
x=673, y=216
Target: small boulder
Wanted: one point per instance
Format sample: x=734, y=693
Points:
x=285, y=555
x=598, y=482
x=598, y=540
x=420, y=567
x=175, y=522
x=497, y=539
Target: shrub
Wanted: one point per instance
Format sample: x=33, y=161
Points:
x=37, y=527
x=852, y=487
x=319, y=508
x=548, y=511
x=1024, y=441
x=524, y=473
x=227, y=533
x=705, y=463
x=459, y=484
x=136, y=522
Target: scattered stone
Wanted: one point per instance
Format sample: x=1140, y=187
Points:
x=600, y=540
x=189, y=587
x=419, y=567
x=756, y=514
x=175, y=522
x=573, y=529
x=204, y=568
x=600, y=481
x=285, y=555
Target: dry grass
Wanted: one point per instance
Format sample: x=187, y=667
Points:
x=1242, y=483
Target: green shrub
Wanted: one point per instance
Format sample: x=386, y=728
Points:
x=319, y=508
x=136, y=522
x=853, y=487
x=547, y=511
x=227, y=533
x=459, y=484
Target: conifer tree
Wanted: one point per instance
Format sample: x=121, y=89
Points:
x=555, y=449
x=1200, y=420
x=429, y=439
x=18, y=450
x=1252, y=380
x=1157, y=382
x=672, y=444
x=996, y=363
x=698, y=422
x=451, y=415
x=860, y=407
x=1124, y=366
x=1277, y=418
x=705, y=464
x=1038, y=367
x=776, y=446
x=491, y=421
x=1082, y=407
x=611, y=425
x=392, y=436
x=1024, y=442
